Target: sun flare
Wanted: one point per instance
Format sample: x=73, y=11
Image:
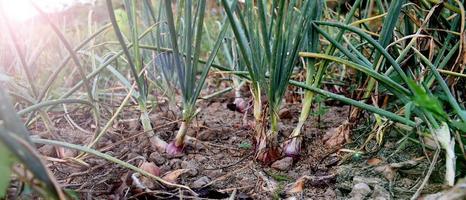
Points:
x=18, y=10
x=22, y=10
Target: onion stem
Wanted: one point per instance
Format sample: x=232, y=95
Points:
x=179, y=140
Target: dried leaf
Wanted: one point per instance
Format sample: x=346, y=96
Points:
x=173, y=175
x=374, y=161
x=338, y=136
x=151, y=168
x=297, y=186
x=387, y=171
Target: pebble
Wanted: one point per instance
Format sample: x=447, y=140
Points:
x=207, y=135
x=200, y=182
x=191, y=166
x=331, y=160
x=219, y=156
x=367, y=180
x=165, y=168
x=213, y=173
x=380, y=193
x=360, y=191
x=201, y=158
x=175, y=163
x=283, y=164
x=157, y=158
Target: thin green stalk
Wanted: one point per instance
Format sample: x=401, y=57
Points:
x=131, y=7
x=180, y=136
x=385, y=37
x=112, y=119
x=314, y=79
x=43, y=104
x=209, y=63
x=105, y=64
x=359, y=104
x=447, y=5
x=120, y=38
x=451, y=73
x=368, y=71
x=374, y=43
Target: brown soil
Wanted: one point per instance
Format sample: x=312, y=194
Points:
x=221, y=158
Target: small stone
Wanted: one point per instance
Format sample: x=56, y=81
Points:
x=219, y=156
x=200, y=182
x=191, y=166
x=380, y=193
x=214, y=173
x=165, y=168
x=360, y=191
x=175, y=163
x=283, y=164
x=157, y=158
x=294, y=174
x=367, y=180
x=200, y=158
x=207, y=135
x=331, y=160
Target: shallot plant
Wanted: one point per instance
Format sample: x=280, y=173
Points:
x=269, y=38
x=185, y=37
x=133, y=58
